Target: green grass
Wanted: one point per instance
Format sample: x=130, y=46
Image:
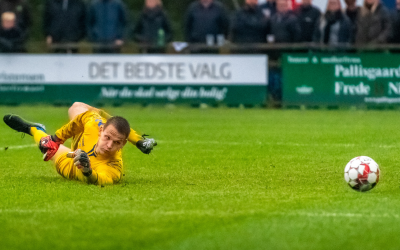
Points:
x=219, y=179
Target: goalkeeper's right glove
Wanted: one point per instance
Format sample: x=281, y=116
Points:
x=146, y=145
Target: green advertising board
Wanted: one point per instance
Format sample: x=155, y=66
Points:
x=349, y=79
x=142, y=94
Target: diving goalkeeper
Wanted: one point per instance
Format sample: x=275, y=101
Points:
x=97, y=140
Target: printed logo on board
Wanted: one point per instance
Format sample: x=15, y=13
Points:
x=304, y=90
x=298, y=59
x=349, y=89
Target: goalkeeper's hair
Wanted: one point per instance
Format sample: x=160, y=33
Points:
x=120, y=124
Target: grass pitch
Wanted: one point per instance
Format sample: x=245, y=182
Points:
x=219, y=179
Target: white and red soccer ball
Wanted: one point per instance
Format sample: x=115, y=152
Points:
x=362, y=173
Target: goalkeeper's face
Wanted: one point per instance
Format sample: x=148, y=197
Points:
x=110, y=141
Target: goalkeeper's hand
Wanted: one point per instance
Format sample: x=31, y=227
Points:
x=82, y=162
x=49, y=146
x=146, y=145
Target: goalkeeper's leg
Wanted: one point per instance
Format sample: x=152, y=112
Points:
x=53, y=151
x=48, y=147
x=78, y=108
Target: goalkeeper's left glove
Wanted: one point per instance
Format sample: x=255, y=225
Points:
x=146, y=145
x=82, y=162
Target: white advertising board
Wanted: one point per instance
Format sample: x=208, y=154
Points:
x=134, y=69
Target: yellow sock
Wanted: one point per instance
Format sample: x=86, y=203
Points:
x=37, y=134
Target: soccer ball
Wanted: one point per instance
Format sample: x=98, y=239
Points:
x=362, y=173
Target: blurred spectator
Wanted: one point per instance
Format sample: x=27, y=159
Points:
x=334, y=27
x=308, y=16
x=106, y=25
x=21, y=10
x=395, y=38
x=352, y=11
x=373, y=23
x=11, y=36
x=285, y=27
x=153, y=26
x=205, y=17
x=268, y=8
x=64, y=22
x=249, y=24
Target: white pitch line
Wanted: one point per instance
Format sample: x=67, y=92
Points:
x=394, y=216
x=18, y=147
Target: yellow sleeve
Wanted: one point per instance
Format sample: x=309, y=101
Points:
x=106, y=174
x=134, y=137
x=74, y=127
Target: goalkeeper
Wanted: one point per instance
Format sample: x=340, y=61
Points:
x=97, y=140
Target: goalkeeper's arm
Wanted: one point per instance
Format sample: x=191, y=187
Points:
x=78, y=110
x=103, y=175
x=145, y=145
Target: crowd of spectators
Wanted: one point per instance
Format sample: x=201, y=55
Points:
x=105, y=23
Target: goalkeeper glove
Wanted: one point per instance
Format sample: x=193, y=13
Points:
x=146, y=145
x=82, y=162
x=49, y=145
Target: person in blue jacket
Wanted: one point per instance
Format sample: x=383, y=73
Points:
x=107, y=22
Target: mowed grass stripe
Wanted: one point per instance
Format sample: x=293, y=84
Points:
x=355, y=216
x=238, y=143
x=278, y=144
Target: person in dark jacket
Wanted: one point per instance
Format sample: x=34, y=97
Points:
x=285, y=27
x=106, y=25
x=249, y=25
x=395, y=36
x=64, y=22
x=373, y=23
x=308, y=16
x=268, y=8
x=352, y=11
x=334, y=27
x=153, y=26
x=12, y=38
x=205, y=17
x=22, y=11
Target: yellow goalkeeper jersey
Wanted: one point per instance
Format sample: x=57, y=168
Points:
x=84, y=130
